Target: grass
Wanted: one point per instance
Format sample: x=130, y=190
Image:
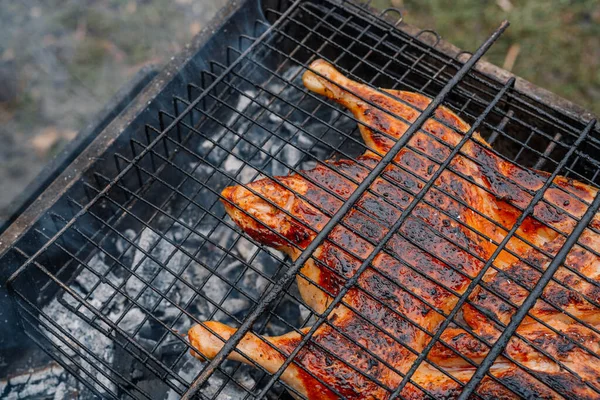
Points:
x=559, y=40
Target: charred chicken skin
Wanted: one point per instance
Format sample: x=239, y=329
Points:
x=401, y=299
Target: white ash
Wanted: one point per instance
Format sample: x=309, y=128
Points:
x=191, y=366
x=232, y=163
x=86, y=340
x=51, y=382
x=197, y=284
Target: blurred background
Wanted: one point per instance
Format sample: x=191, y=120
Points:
x=62, y=60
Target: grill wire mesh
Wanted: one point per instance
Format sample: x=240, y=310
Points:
x=146, y=251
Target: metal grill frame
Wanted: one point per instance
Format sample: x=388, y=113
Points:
x=169, y=133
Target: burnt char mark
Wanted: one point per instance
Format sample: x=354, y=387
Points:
x=390, y=327
x=337, y=374
x=314, y=388
x=552, y=216
x=461, y=341
x=353, y=170
x=370, y=160
x=381, y=342
x=566, y=384
x=350, y=242
x=330, y=281
x=383, y=212
x=456, y=185
x=378, y=119
x=343, y=265
x=444, y=202
x=339, y=260
x=393, y=296
x=380, y=143
x=558, y=295
x=331, y=180
x=491, y=305
x=392, y=193
x=336, y=370
x=417, y=232
x=505, y=285
x=563, y=297
x=527, y=276
x=360, y=222
x=524, y=385
x=557, y=344
x=416, y=163
x=490, y=389
x=444, y=225
x=577, y=188
x=448, y=390
x=322, y=199
x=400, y=273
x=427, y=264
x=579, y=259
x=405, y=180
x=525, y=178
x=594, y=293
x=299, y=234
x=502, y=189
x=565, y=201
x=432, y=148
x=309, y=215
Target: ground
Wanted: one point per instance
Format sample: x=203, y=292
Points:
x=62, y=60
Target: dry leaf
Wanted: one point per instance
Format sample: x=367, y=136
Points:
x=112, y=49
x=505, y=5
x=195, y=28
x=511, y=56
x=132, y=69
x=48, y=137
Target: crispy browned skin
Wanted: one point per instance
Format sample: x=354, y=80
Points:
x=431, y=247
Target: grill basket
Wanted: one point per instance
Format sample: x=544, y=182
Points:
x=139, y=249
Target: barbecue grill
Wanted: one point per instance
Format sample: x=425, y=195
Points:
x=130, y=246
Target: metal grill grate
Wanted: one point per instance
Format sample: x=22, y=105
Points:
x=145, y=250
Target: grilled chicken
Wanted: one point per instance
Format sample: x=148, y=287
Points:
x=401, y=299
